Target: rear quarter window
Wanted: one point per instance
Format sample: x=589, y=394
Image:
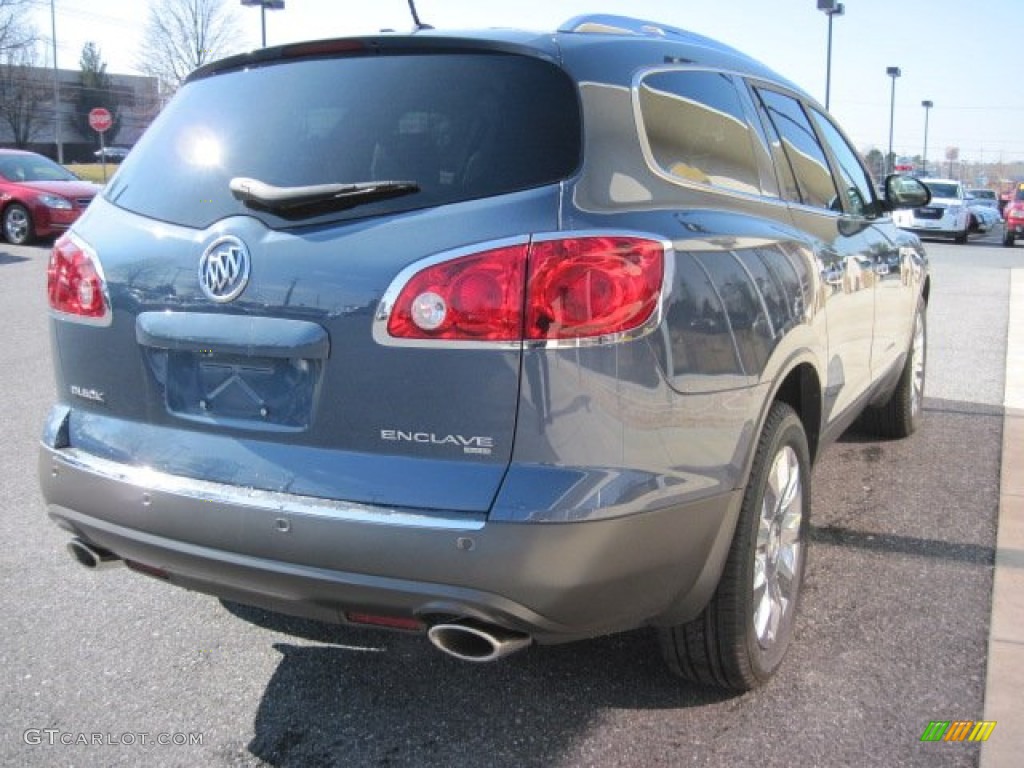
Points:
x=697, y=130
x=461, y=125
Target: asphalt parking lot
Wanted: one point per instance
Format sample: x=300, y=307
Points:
x=893, y=631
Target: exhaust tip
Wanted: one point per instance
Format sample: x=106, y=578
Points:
x=476, y=642
x=90, y=556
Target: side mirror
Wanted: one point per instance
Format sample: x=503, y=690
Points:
x=905, y=192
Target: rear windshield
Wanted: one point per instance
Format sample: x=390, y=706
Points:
x=461, y=126
x=943, y=189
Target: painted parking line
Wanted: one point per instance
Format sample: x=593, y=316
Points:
x=1005, y=681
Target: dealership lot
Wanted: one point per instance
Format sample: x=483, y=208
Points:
x=893, y=632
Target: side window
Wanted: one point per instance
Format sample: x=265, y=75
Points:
x=783, y=170
x=859, y=189
x=803, y=152
x=697, y=129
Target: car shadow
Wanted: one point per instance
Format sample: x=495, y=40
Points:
x=10, y=258
x=387, y=698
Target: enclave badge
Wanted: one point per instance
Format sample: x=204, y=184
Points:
x=224, y=269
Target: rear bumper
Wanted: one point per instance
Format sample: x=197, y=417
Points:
x=320, y=559
x=941, y=230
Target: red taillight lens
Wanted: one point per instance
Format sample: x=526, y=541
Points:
x=477, y=297
x=73, y=281
x=592, y=286
x=574, y=288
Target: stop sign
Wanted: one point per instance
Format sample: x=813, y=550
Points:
x=100, y=119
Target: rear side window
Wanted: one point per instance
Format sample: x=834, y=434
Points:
x=461, y=126
x=803, y=153
x=697, y=129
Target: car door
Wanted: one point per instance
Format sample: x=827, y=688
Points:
x=844, y=244
x=891, y=261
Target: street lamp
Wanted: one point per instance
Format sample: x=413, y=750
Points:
x=892, y=72
x=56, y=87
x=274, y=5
x=927, y=104
x=831, y=8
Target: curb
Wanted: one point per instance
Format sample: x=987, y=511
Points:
x=1004, y=687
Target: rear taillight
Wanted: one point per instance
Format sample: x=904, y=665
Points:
x=592, y=286
x=563, y=289
x=74, y=282
x=472, y=298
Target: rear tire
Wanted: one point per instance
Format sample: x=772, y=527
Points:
x=900, y=415
x=742, y=635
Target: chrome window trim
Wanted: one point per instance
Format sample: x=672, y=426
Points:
x=648, y=153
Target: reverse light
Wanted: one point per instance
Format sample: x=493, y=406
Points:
x=74, y=282
x=478, y=297
x=556, y=290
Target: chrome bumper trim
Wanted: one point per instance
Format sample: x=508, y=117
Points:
x=148, y=479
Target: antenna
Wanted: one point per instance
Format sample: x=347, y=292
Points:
x=416, y=17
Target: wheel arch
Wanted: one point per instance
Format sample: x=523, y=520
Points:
x=800, y=389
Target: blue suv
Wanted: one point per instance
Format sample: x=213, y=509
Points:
x=498, y=337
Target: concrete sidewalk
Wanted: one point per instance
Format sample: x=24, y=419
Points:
x=1004, y=688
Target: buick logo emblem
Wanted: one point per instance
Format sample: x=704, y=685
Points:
x=224, y=269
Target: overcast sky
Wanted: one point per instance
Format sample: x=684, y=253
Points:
x=960, y=55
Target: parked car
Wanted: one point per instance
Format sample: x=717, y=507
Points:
x=983, y=218
x=1013, y=215
x=111, y=154
x=499, y=337
x=986, y=198
x=38, y=197
x=947, y=214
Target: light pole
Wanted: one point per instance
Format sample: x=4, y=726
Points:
x=927, y=104
x=56, y=87
x=274, y=5
x=892, y=72
x=831, y=8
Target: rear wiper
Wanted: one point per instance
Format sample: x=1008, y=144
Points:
x=304, y=202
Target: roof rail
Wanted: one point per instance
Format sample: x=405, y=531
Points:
x=609, y=24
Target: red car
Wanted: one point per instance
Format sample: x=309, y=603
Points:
x=1013, y=224
x=38, y=197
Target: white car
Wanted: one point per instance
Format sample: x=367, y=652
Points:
x=947, y=215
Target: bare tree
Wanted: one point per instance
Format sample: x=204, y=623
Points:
x=23, y=89
x=14, y=32
x=182, y=35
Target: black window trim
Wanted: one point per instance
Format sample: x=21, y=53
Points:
x=807, y=105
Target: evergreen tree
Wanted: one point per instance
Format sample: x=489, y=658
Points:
x=94, y=90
